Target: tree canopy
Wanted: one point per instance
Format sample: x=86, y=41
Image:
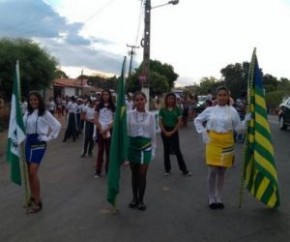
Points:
x=162, y=78
x=37, y=67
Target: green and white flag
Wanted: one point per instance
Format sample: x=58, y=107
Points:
x=118, y=149
x=16, y=133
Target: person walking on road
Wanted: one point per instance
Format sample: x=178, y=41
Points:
x=41, y=127
x=217, y=124
x=71, y=130
x=170, y=118
x=141, y=147
x=104, y=120
x=88, y=116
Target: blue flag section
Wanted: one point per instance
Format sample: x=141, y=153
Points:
x=118, y=150
x=260, y=172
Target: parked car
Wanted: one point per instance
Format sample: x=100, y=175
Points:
x=284, y=114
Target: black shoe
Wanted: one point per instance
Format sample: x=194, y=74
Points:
x=64, y=140
x=83, y=155
x=133, y=204
x=220, y=206
x=141, y=206
x=213, y=206
x=187, y=173
x=90, y=154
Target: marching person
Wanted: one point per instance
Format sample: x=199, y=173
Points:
x=71, y=129
x=41, y=127
x=104, y=121
x=169, y=121
x=221, y=121
x=88, y=115
x=141, y=147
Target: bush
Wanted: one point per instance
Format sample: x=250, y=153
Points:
x=274, y=99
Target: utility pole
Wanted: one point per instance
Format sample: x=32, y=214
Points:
x=145, y=79
x=131, y=53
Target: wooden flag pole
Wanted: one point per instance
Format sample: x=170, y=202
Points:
x=25, y=177
x=22, y=150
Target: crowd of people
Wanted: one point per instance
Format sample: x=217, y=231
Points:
x=91, y=118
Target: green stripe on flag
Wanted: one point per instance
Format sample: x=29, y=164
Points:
x=260, y=172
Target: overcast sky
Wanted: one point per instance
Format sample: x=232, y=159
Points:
x=196, y=37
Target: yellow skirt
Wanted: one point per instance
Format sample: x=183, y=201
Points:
x=220, y=149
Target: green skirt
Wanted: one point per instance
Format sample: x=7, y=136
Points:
x=140, y=150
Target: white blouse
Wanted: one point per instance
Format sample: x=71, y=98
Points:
x=220, y=119
x=72, y=107
x=41, y=125
x=105, y=116
x=89, y=112
x=142, y=124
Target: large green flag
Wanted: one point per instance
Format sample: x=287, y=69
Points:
x=259, y=171
x=16, y=132
x=118, y=150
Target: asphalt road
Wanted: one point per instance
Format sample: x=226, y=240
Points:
x=75, y=207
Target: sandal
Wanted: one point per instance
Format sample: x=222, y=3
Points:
x=35, y=208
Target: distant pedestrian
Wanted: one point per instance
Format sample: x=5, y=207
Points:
x=51, y=106
x=41, y=127
x=88, y=115
x=141, y=147
x=169, y=121
x=217, y=124
x=71, y=130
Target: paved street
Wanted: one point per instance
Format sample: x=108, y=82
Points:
x=75, y=207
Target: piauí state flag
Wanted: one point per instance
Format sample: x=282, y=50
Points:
x=260, y=172
x=16, y=133
x=118, y=150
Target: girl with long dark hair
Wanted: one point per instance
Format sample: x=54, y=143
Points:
x=41, y=127
x=170, y=118
x=104, y=121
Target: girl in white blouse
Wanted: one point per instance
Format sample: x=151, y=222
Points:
x=217, y=124
x=88, y=115
x=141, y=148
x=41, y=127
x=104, y=121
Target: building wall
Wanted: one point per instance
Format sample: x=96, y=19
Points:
x=70, y=91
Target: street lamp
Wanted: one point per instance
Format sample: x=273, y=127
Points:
x=145, y=43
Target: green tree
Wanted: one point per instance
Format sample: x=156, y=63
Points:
x=102, y=82
x=37, y=67
x=159, y=84
x=270, y=83
x=236, y=77
x=60, y=74
x=283, y=84
x=160, y=73
x=208, y=83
